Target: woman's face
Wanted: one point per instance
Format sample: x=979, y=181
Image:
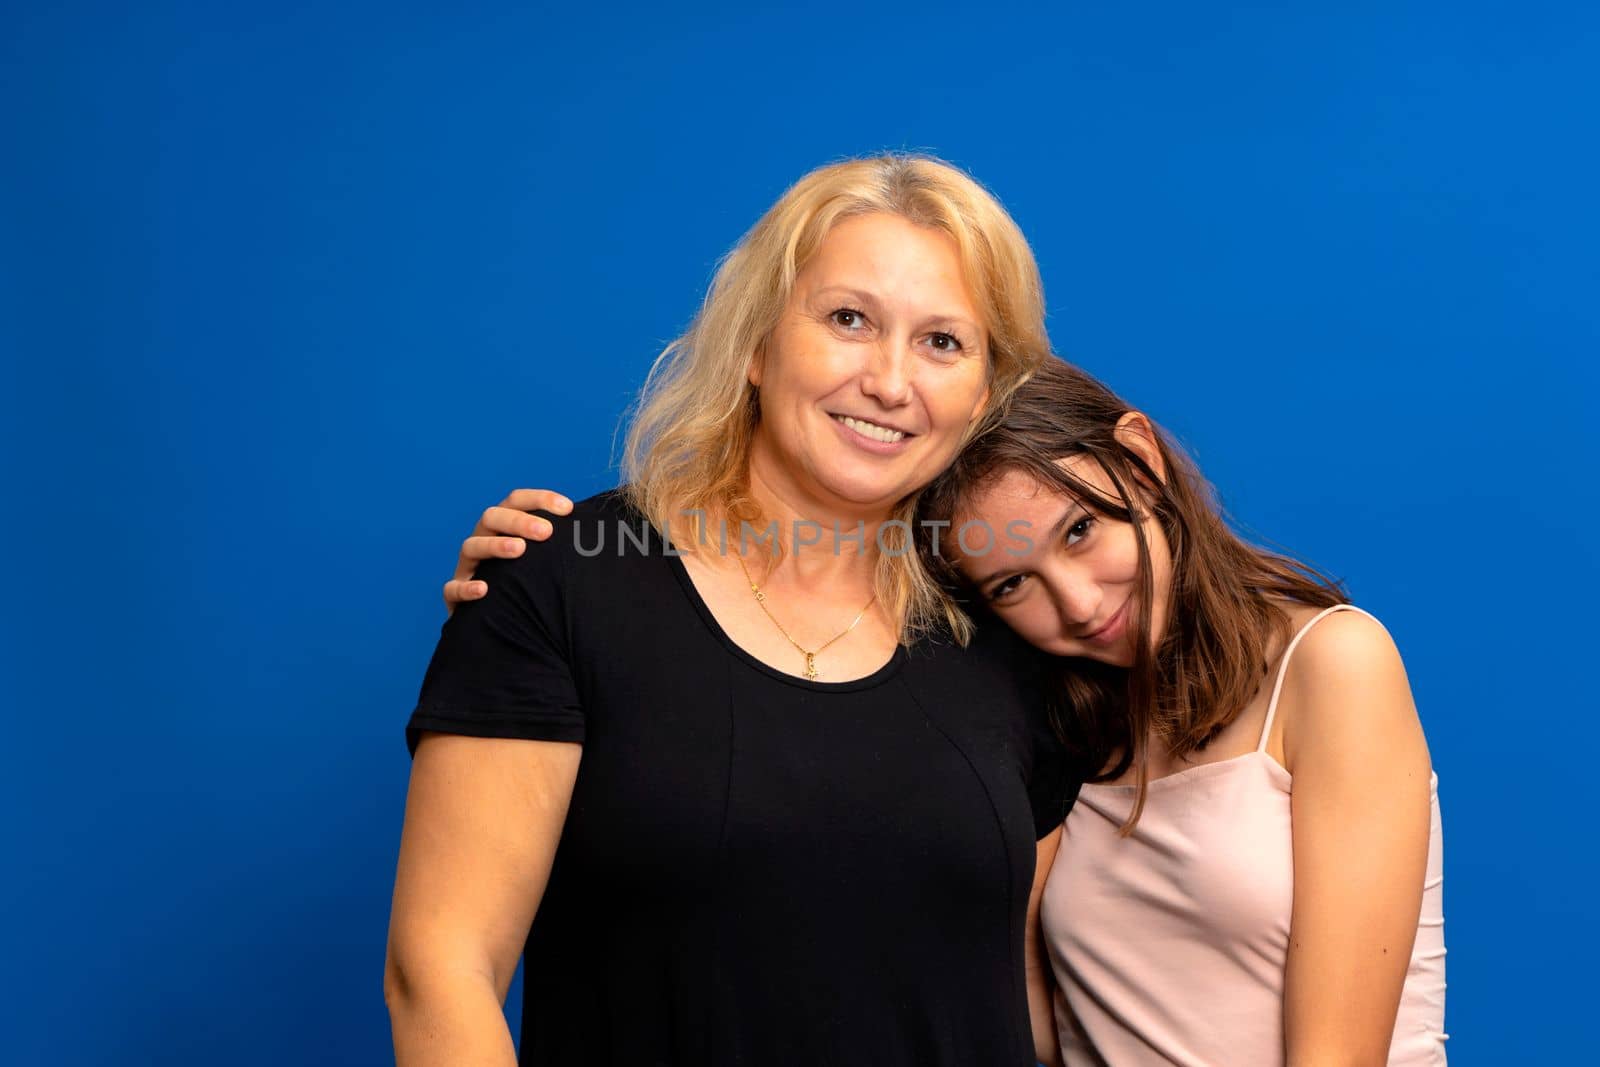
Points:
x=874, y=371
x=1064, y=577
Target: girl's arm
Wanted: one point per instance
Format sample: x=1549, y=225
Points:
x=1361, y=813
x=500, y=533
x=1041, y=985
x=483, y=817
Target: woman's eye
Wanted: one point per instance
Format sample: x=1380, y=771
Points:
x=944, y=342
x=1079, y=530
x=848, y=318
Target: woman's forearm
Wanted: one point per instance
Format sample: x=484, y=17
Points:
x=454, y=1022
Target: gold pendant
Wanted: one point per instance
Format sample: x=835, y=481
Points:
x=811, y=665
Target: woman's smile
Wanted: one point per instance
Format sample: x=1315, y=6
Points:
x=875, y=438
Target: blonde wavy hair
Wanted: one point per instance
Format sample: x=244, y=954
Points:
x=688, y=445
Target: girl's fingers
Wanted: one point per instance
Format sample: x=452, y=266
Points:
x=537, y=500
x=512, y=523
x=457, y=591
x=475, y=550
x=502, y=533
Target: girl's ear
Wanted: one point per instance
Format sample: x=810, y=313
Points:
x=1135, y=433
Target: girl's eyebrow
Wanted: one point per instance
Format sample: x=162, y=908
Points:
x=1065, y=521
x=982, y=580
x=1075, y=509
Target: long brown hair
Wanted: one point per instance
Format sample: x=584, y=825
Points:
x=1224, y=607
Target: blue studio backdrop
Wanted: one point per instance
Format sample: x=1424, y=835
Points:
x=290, y=292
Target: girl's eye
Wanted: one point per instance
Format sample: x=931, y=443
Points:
x=944, y=342
x=1006, y=588
x=848, y=319
x=1079, y=530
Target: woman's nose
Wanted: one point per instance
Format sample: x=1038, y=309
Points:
x=888, y=372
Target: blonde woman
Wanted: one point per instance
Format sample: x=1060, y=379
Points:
x=701, y=758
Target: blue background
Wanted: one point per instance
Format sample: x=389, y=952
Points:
x=289, y=293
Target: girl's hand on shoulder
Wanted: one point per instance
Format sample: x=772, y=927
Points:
x=502, y=532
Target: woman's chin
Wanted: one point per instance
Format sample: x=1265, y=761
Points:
x=866, y=494
x=868, y=486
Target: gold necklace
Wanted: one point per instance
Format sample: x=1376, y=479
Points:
x=810, y=655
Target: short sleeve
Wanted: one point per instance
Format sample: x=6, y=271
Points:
x=1052, y=782
x=1053, y=777
x=503, y=664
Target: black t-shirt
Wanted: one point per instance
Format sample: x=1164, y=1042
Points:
x=755, y=868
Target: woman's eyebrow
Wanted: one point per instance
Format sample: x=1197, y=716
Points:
x=857, y=296
x=948, y=322
x=863, y=298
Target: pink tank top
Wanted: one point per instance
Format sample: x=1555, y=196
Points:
x=1169, y=946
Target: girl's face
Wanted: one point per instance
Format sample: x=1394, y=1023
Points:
x=1064, y=577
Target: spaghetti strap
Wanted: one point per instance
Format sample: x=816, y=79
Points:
x=1283, y=665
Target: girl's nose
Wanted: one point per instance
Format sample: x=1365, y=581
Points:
x=1077, y=597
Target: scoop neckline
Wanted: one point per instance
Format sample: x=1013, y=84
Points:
x=866, y=681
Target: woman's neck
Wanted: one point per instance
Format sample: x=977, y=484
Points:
x=820, y=541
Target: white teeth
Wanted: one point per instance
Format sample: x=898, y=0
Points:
x=872, y=430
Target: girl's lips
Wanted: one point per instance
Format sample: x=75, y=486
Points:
x=1112, y=630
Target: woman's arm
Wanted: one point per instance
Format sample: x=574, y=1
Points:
x=483, y=818
x=1041, y=985
x=500, y=534
x=1361, y=812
